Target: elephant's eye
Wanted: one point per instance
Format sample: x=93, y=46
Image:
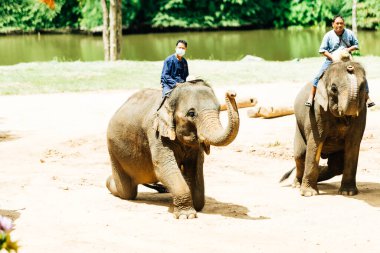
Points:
x=191, y=113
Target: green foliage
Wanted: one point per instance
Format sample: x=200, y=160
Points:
x=28, y=14
x=218, y=13
x=141, y=14
x=306, y=13
x=368, y=14
x=92, y=15
x=37, y=16
x=69, y=14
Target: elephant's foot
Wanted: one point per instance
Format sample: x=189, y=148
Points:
x=188, y=213
x=183, y=208
x=308, y=189
x=349, y=190
x=296, y=183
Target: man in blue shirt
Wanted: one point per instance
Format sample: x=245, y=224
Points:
x=175, y=69
x=337, y=39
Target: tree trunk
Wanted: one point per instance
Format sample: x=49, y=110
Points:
x=106, y=32
x=113, y=29
x=354, y=26
x=119, y=30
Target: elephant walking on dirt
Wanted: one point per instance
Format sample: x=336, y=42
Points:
x=168, y=145
x=332, y=129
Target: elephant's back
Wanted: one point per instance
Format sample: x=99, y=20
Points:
x=142, y=100
x=133, y=113
x=139, y=104
x=299, y=102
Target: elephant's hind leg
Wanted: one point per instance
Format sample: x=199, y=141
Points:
x=120, y=183
x=299, y=157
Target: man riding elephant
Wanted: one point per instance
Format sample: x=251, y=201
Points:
x=338, y=39
x=168, y=145
x=332, y=129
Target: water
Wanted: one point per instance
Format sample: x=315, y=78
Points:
x=275, y=45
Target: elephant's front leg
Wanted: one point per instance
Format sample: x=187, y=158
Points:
x=310, y=176
x=168, y=172
x=351, y=157
x=193, y=172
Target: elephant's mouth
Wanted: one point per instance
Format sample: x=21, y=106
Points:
x=190, y=140
x=335, y=111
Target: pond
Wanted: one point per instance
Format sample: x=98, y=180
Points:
x=274, y=45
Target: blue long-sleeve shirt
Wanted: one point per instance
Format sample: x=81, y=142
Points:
x=173, y=72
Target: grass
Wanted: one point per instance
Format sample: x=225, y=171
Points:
x=51, y=77
x=54, y=77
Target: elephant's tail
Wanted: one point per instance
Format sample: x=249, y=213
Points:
x=287, y=174
x=158, y=187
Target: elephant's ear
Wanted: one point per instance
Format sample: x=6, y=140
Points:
x=321, y=95
x=164, y=121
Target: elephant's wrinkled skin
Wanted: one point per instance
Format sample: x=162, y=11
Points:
x=168, y=145
x=333, y=128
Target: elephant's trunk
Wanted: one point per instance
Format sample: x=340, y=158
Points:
x=210, y=129
x=352, y=104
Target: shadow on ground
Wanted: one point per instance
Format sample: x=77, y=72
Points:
x=7, y=136
x=212, y=206
x=11, y=214
x=368, y=191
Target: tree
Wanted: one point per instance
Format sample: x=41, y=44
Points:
x=112, y=29
x=354, y=26
x=106, y=33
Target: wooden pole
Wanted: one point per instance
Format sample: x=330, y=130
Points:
x=241, y=103
x=270, y=112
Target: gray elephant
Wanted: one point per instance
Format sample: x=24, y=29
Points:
x=147, y=145
x=333, y=128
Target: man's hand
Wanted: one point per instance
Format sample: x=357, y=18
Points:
x=328, y=55
x=350, y=49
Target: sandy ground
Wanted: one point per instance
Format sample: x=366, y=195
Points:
x=54, y=164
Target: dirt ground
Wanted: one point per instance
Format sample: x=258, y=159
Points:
x=54, y=164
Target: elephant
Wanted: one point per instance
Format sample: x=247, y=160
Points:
x=332, y=129
x=149, y=145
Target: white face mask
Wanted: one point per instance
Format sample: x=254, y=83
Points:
x=180, y=51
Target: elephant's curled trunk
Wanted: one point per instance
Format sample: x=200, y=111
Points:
x=352, y=103
x=210, y=129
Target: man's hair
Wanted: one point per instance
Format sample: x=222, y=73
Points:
x=337, y=16
x=181, y=41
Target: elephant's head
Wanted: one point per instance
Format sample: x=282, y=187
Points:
x=342, y=89
x=191, y=115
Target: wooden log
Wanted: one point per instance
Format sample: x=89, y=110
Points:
x=241, y=103
x=270, y=112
